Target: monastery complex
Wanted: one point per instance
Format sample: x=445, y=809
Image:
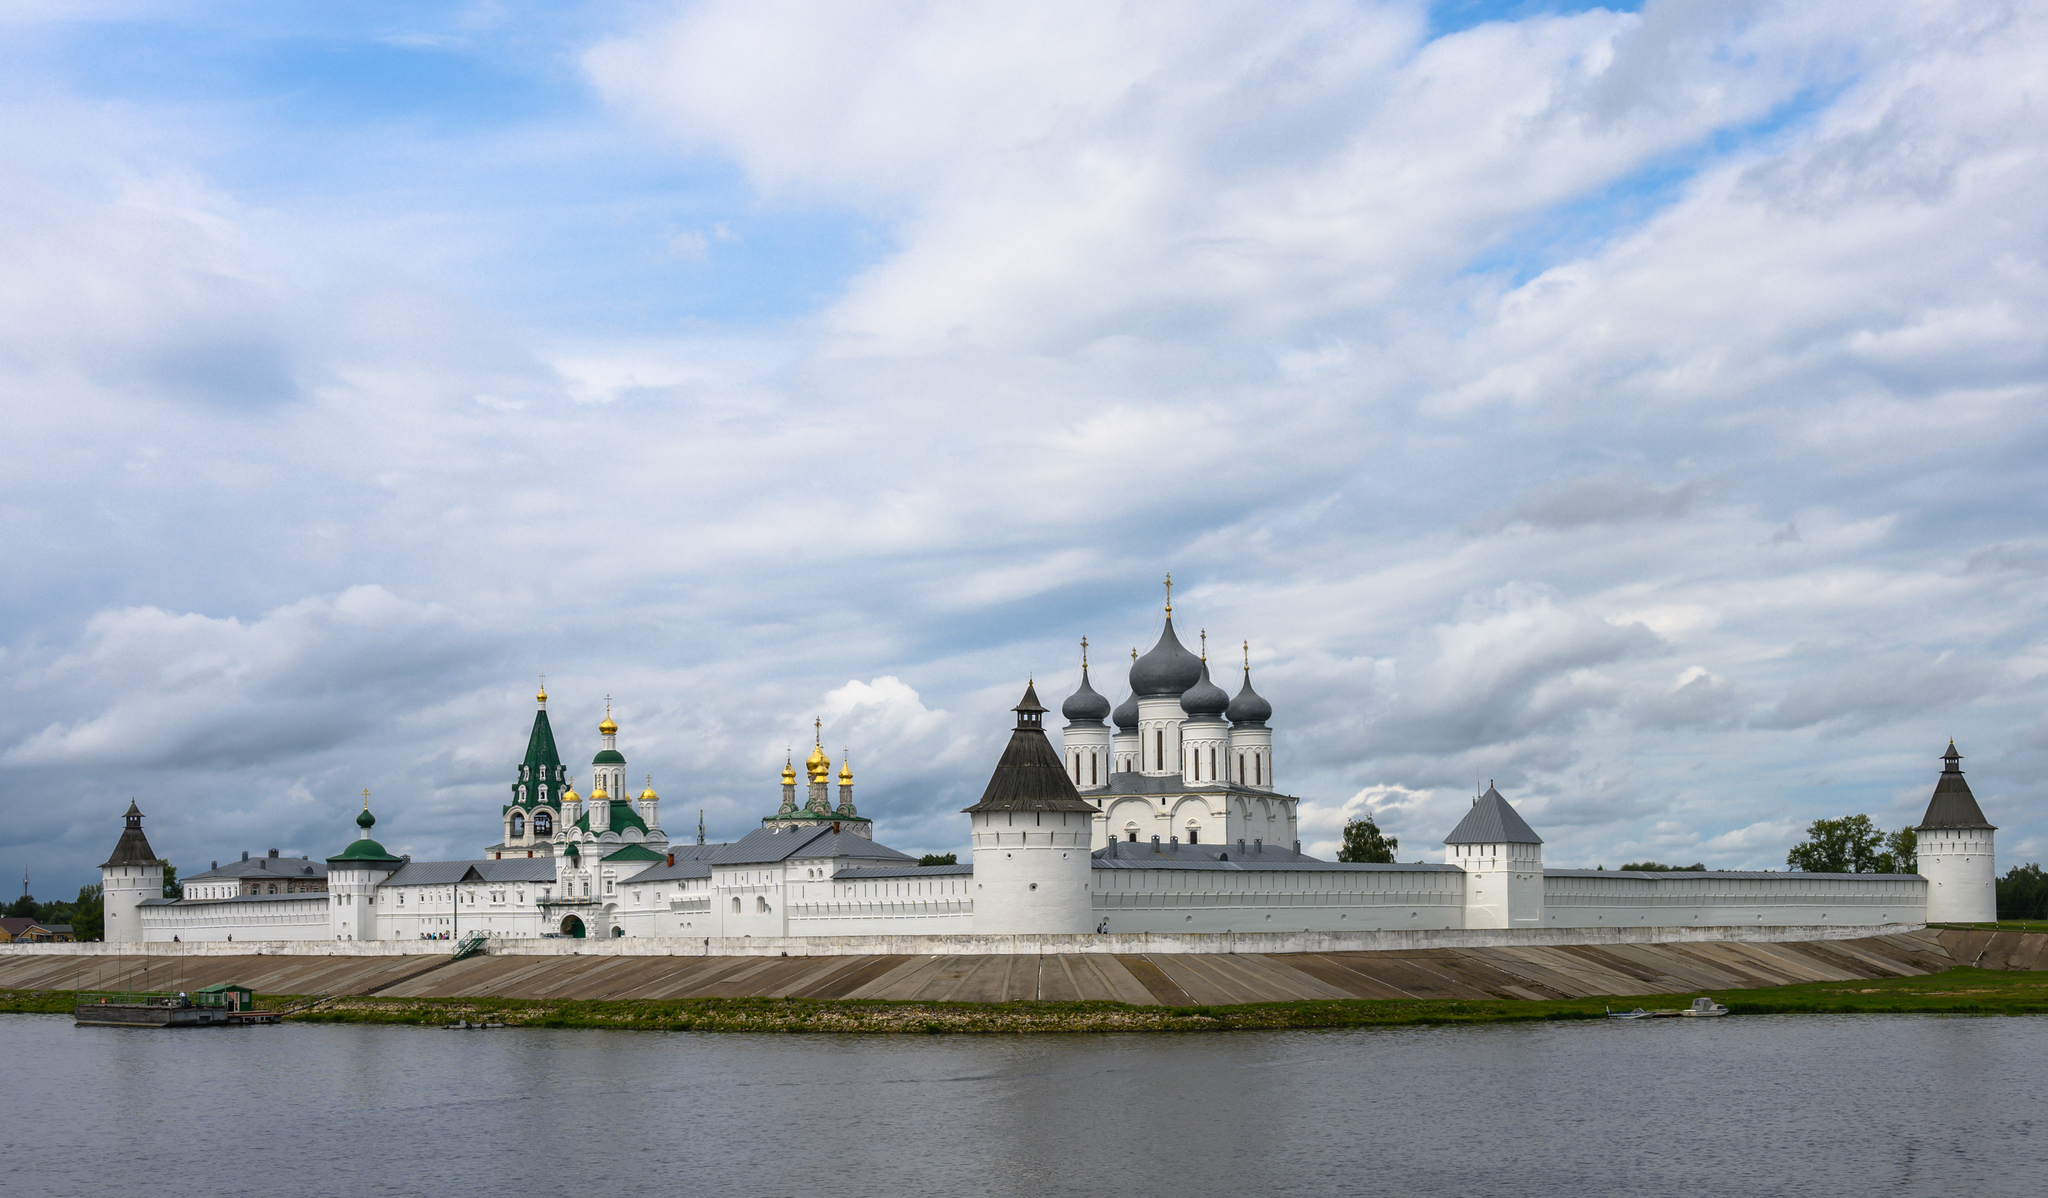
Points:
x=1160, y=816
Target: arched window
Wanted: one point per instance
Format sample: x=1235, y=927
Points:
x=760, y=904
x=1240, y=767
x=518, y=824
x=1091, y=770
x=543, y=824
x=1133, y=835
x=735, y=904
x=1194, y=835
x=1212, y=763
x=1159, y=748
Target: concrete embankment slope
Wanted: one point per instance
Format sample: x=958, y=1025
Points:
x=1173, y=979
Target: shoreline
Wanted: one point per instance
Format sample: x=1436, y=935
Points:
x=1959, y=991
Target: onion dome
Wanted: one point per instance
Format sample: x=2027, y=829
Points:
x=1126, y=714
x=1168, y=670
x=788, y=773
x=541, y=696
x=1249, y=709
x=598, y=795
x=570, y=850
x=1084, y=706
x=846, y=772
x=648, y=795
x=817, y=764
x=366, y=821
x=607, y=728
x=569, y=794
x=1205, y=700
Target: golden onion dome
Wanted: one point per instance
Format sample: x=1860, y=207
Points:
x=608, y=728
x=819, y=765
x=846, y=772
x=542, y=696
x=598, y=795
x=788, y=773
x=570, y=795
x=648, y=795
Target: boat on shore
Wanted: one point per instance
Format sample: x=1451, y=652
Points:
x=1701, y=1008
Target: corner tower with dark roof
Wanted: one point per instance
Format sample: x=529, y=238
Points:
x=130, y=875
x=1955, y=850
x=1032, y=870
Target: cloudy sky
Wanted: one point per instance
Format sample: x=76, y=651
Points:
x=1643, y=409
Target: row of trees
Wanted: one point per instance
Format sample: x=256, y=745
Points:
x=86, y=914
x=1855, y=844
x=2023, y=892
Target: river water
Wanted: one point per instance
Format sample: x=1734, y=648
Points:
x=1806, y=1105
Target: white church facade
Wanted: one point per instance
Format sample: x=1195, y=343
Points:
x=1168, y=822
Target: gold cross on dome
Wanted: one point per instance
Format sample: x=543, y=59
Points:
x=366, y=798
x=1169, y=594
x=1084, y=652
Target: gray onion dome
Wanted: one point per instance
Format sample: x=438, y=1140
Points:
x=1204, y=700
x=1167, y=671
x=1249, y=708
x=1126, y=716
x=1084, y=706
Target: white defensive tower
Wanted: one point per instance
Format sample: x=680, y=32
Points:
x=1031, y=831
x=1503, y=862
x=1956, y=852
x=131, y=875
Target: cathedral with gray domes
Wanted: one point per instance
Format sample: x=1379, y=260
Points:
x=1185, y=763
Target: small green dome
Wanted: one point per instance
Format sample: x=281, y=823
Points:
x=366, y=821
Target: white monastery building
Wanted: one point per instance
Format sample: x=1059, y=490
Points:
x=1169, y=822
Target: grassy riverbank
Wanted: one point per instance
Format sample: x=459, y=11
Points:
x=1956, y=991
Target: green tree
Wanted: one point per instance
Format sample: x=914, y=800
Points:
x=1901, y=853
x=1696, y=867
x=1849, y=845
x=22, y=908
x=88, y=915
x=173, y=888
x=938, y=859
x=2023, y=892
x=1364, y=843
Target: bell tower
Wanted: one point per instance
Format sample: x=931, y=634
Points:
x=1033, y=872
x=1955, y=850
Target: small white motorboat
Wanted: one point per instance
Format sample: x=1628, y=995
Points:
x=1638, y=1013
x=1704, y=1008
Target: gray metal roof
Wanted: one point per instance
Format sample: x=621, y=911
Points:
x=1142, y=855
x=765, y=845
x=1753, y=874
x=1953, y=806
x=667, y=873
x=1492, y=821
x=905, y=871
x=441, y=873
x=1030, y=775
x=266, y=868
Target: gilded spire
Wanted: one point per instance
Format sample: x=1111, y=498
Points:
x=846, y=767
x=1169, y=594
x=1084, y=653
x=789, y=770
x=542, y=697
x=1247, y=657
x=1205, y=644
x=607, y=728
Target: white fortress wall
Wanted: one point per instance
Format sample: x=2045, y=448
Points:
x=1320, y=897
x=1119, y=943
x=246, y=918
x=931, y=901
x=1583, y=898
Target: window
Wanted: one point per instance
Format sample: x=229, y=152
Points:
x=1212, y=763
x=761, y=902
x=543, y=823
x=735, y=904
x=1091, y=770
x=518, y=824
x=1257, y=773
x=1134, y=836
x=1240, y=767
x=1158, y=749
x=1194, y=836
